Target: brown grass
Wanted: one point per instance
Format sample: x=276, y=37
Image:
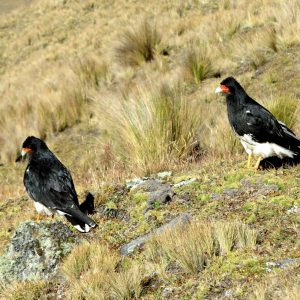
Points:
x=138, y=45
x=50, y=68
x=194, y=246
x=94, y=271
x=153, y=127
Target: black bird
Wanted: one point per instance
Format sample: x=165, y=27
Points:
x=261, y=134
x=49, y=183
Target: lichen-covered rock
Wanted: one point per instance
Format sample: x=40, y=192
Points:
x=35, y=251
x=157, y=192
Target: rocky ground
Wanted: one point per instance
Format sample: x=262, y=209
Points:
x=130, y=214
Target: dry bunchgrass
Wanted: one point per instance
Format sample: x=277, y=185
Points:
x=195, y=245
x=93, y=271
x=138, y=45
x=25, y=290
x=153, y=127
x=49, y=67
x=284, y=108
x=197, y=64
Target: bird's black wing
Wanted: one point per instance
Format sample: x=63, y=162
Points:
x=51, y=184
x=264, y=127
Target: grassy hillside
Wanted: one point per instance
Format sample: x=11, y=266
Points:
x=120, y=89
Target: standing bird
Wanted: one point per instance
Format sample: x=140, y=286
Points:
x=49, y=183
x=261, y=134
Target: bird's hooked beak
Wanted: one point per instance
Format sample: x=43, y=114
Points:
x=25, y=151
x=222, y=89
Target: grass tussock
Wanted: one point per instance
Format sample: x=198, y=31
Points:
x=195, y=246
x=139, y=45
x=91, y=71
x=284, y=108
x=96, y=272
x=151, y=129
x=198, y=64
x=26, y=290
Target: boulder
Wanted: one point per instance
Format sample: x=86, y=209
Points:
x=35, y=251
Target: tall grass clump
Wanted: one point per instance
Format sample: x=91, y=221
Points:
x=194, y=246
x=153, y=128
x=25, y=290
x=138, y=45
x=284, y=108
x=93, y=271
x=91, y=70
x=197, y=63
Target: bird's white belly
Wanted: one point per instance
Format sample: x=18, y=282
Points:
x=264, y=149
x=43, y=209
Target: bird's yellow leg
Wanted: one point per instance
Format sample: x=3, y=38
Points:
x=258, y=163
x=39, y=217
x=249, y=160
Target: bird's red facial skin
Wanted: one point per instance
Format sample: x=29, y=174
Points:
x=26, y=150
x=225, y=89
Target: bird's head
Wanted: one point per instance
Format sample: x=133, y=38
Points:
x=32, y=145
x=228, y=86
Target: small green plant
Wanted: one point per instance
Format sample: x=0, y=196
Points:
x=138, y=45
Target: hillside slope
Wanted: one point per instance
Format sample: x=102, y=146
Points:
x=66, y=75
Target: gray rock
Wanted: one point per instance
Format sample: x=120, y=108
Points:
x=151, y=185
x=282, y=264
x=163, y=175
x=162, y=195
x=248, y=189
x=294, y=210
x=132, y=183
x=185, y=182
x=140, y=241
x=159, y=193
x=35, y=251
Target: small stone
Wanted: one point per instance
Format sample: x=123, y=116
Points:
x=163, y=175
x=185, y=182
x=294, y=210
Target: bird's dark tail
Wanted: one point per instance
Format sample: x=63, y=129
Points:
x=79, y=220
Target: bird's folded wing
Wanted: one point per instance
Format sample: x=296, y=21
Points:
x=264, y=127
x=53, y=188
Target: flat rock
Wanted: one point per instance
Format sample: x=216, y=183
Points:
x=140, y=241
x=247, y=189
